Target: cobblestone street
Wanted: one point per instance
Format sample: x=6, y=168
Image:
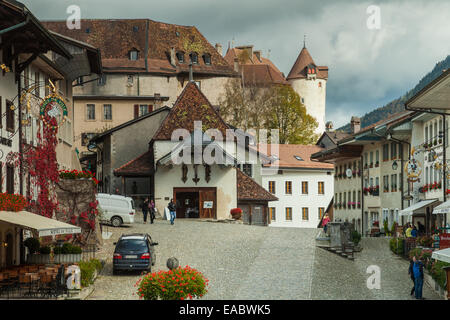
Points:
x=251, y=262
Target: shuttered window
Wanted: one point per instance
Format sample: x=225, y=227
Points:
x=9, y=179
x=305, y=187
x=321, y=186
x=305, y=214
x=288, y=187
x=272, y=187
x=288, y=214
x=10, y=113
x=272, y=214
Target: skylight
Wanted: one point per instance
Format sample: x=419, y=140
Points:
x=298, y=158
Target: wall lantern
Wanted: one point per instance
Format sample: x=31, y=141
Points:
x=394, y=165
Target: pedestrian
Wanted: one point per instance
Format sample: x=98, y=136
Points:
x=411, y=274
x=418, y=278
x=408, y=231
x=151, y=207
x=325, y=221
x=145, y=207
x=172, y=208
x=414, y=232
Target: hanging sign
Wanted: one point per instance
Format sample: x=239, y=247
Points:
x=53, y=106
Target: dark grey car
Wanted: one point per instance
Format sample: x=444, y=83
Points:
x=134, y=252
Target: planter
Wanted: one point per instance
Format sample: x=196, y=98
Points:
x=66, y=258
x=38, y=259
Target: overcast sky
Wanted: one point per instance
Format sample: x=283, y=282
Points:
x=367, y=67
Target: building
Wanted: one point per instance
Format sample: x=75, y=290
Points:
x=31, y=57
x=309, y=81
x=253, y=68
x=145, y=67
x=429, y=143
x=201, y=187
x=304, y=187
x=119, y=147
x=369, y=181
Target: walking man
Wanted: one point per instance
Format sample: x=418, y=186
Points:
x=172, y=208
x=411, y=274
x=418, y=278
x=145, y=208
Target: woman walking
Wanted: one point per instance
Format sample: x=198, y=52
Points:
x=145, y=207
x=172, y=208
x=152, y=211
x=325, y=221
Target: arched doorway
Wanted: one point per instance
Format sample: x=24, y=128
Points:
x=9, y=249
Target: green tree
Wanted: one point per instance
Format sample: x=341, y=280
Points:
x=289, y=116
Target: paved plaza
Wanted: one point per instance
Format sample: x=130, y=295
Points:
x=252, y=262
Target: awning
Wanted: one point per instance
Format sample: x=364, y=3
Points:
x=44, y=226
x=442, y=208
x=417, y=206
x=442, y=255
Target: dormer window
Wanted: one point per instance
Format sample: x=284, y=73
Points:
x=207, y=58
x=194, y=57
x=180, y=57
x=133, y=54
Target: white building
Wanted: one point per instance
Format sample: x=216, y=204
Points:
x=310, y=81
x=303, y=186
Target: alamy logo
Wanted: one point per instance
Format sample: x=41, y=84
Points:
x=374, y=280
x=74, y=19
x=374, y=20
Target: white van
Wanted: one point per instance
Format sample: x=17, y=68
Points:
x=116, y=209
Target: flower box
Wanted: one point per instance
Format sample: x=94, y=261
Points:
x=38, y=258
x=67, y=258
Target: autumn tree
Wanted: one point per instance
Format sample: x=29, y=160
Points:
x=258, y=106
x=289, y=116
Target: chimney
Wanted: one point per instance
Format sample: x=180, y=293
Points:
x=355, y=124
x=219, y=48
x=172, y=57
x=258, y=54
x=236, y=64
x=329, y=126
x=191, y=73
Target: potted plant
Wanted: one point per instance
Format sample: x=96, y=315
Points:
x=67, y=253
x=236, y=213
x=377, y=164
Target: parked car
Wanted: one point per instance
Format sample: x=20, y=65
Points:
x=116, y=209
x=134, y=252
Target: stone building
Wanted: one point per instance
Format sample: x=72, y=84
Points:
x=145, y=67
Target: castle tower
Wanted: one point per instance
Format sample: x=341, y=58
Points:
x=309, y=81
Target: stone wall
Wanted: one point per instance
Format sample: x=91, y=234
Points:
x=75, y=197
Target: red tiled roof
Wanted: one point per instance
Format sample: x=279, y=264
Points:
x=191, y=105
x=116, y=37
x=249, y=189
x=137, y=167
x=287, y=153
x=255, y=70
x=299, y=68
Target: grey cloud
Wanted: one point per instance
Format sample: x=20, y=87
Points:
x=367, y=68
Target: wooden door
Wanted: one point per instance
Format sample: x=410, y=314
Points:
x=209, y=197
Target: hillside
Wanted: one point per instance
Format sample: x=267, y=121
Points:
x=397, y=105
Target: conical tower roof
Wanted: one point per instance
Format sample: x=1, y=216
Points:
x=303, y=60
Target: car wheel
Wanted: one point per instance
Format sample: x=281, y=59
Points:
x=116, y=221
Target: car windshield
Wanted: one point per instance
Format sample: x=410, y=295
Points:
x=131, y=244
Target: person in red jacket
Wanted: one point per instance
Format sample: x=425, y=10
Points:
x=325, y=221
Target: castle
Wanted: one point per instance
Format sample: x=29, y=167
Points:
x=306, y=78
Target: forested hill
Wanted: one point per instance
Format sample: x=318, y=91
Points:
x=397, y=105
